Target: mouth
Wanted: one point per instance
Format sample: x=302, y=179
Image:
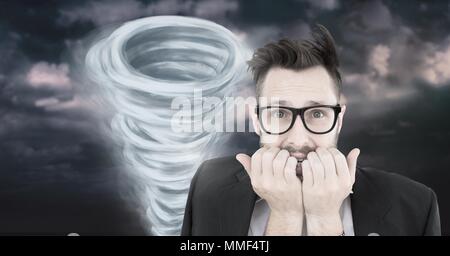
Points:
x=298, y=169
x=298, y=155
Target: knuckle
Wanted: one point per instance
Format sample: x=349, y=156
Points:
x=259, y=152
x=277, y=164
x=328, y=158
x=292, y=161
x=283, y=152
x=305, y=164
x=317, y=165
x=268, y=154
x=336, y=153
x=341, y=157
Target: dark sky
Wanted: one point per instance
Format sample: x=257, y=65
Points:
x=57, y=169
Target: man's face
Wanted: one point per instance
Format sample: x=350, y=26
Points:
x=298, y=89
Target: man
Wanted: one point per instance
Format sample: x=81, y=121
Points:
x=298, y=182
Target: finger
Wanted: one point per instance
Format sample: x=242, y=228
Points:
x=352, y=159
x=279, y=164
x=308, y=178
x=327, y=162
x=267, y=162
x=256, y=162
x=341, y=163
x=317, y=168
x=246, y=162
x=289, y=169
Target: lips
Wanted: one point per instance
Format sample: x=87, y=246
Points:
x=298, y=155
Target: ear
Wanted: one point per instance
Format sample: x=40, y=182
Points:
x=254, y=117
x=341, y=118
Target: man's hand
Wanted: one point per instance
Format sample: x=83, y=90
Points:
x=273, y=177
x=328, y=178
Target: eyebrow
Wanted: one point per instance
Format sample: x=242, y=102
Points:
x=308, y=103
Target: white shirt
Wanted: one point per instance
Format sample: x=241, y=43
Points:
x=261, y=213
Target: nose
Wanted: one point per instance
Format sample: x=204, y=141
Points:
x=298, y=135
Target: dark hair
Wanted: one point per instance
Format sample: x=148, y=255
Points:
x=297, y=55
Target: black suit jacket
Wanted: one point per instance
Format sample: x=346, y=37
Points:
x=221, y=202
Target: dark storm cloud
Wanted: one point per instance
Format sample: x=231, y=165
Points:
x=123, y=10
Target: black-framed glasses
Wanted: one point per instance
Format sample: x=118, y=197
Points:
x=318, y=119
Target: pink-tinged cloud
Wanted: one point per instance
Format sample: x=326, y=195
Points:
x=379, y=60
x=46, y=102
x=436, y=68
x=77, y=103
x=45, y=75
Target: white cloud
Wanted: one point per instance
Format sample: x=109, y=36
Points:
x=46, y=102
x=77, y=103
x=370, y=87
x=397, y=59
x=362, y=82
x=379, y=59
x=258, y=36
x=43, y=74
x=436, y=67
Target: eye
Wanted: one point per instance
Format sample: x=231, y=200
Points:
x=317, y=114
x=278, y=114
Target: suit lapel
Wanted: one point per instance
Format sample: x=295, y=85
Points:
x=238, y=200
x=369, y=207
